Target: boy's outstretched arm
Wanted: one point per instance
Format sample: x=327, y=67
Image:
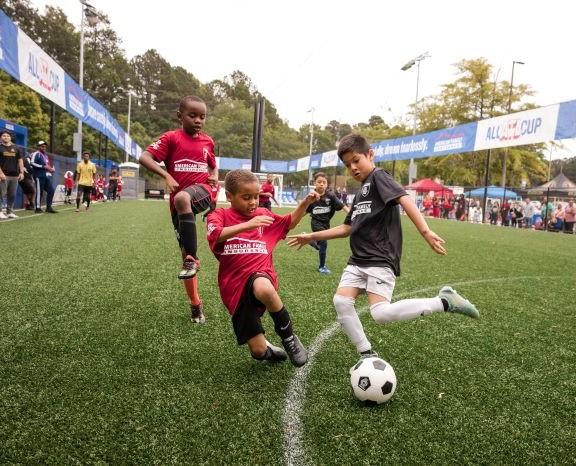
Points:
x=300, y=211
x=435, y=242
x=253, y=223
x=341, y=231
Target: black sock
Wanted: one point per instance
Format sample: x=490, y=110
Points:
x=445, y=303
x=77, y=202
x=282, y=323
x=187, y=230
x=322, y=259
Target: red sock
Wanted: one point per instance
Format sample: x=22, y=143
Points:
x=191, y=287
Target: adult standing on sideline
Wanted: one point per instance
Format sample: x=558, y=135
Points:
x=27, y=184
x=267, y=192
x=43, y=171
x=11, y=172
x=113, y=185
x=85, y=175
x=569, y=217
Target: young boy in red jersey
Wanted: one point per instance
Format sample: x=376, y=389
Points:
x=68, y=186
x=267, y=192
x=242, y=238
x=191, y=179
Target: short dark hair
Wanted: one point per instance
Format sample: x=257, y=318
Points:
x=235, y=178
x=87, y=152
x=5, y=131
x=189, y=98
x=353, y=143
x=320, y=174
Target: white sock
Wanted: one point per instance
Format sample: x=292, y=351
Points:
x=406, y=309
x=350, y=322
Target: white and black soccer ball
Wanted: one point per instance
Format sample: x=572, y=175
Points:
x=373, y=380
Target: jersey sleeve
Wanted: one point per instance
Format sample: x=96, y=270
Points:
x=338, y=204
x=214, y=227
x=388, y=189
x=161, y=148
x=211, y=159
x=281, y=225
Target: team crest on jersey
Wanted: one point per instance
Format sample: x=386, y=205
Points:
x=327, y=201
x=156, y=144
x=205, y=153
x=365, y=189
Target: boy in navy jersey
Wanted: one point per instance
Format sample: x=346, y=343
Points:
x=321, y=212
x=191, y=179
x=242, y=238
x=373, y=225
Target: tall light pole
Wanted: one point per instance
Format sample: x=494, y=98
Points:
x=311, y=111
x=128, y=126
x=92, y=16
x=514, y=63
x=415, y=61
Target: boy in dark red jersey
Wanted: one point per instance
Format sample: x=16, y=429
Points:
x=191, y=179
x=267, y=192
x=242, y=238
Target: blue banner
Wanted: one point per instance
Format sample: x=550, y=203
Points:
x=566, y=124
x=9, y=46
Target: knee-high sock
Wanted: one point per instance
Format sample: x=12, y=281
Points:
x=405, y=309
x=282, y=323
x=322, y=247
x=350, y=322
x=191, y=287
x=187, y=227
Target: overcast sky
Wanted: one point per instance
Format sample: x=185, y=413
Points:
x=344, y=57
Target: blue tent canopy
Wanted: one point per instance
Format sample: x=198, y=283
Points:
x=494, y=192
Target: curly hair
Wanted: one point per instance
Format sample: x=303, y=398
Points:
x=235, y=178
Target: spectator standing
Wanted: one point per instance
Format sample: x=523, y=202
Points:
x=11, y=172
x=43, y=171
x=27, y=184
x=529, y=211
x=569, y=217
x=113, y=185
x=68, y=186
x=344, y=197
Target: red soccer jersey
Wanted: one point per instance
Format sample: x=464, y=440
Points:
x=245, y=254
x=266, y=188
x=69, y=182
x=187, y=158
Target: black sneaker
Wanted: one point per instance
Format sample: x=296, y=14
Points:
x=368, y=354
x=197, y=313
x=51, y=211
x=276, y=354
x=189, y=268
x=296, y=351
x=38, y=211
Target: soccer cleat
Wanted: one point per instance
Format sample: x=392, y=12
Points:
x=189, y=268
x=296, y=351
x=12, y=215
x=3, y=216
x=77, y=210
x=38, y=211
x=50, y=210
x=197, y=313
x=457, y=303
x=324, y=270
x=368, y=354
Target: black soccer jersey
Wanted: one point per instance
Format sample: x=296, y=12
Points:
x=376, y=236
x=9, y=156
x=322, y=210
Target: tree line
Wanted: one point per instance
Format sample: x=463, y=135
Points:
x=157, y=86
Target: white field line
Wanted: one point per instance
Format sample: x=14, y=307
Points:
x=294, y=450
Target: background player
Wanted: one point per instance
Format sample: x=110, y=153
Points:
x=191, y=179
x=267, y=193
x=85, y=175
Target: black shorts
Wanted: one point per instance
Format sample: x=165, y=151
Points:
x=246, y=320
x=27, y=185
x=266, y=205
x=85, y=190
x=200, y=200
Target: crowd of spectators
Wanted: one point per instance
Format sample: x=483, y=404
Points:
x=34, y=174
x=538, y=215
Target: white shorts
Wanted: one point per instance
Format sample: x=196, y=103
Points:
x=377, y=280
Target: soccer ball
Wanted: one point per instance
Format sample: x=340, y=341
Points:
x=373, y=380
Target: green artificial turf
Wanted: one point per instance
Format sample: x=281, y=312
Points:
x=99, y=362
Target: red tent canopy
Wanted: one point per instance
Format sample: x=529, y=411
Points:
x=426, y=185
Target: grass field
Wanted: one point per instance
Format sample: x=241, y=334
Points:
x=99, y=362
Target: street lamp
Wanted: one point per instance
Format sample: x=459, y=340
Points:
x=129, y=112
x=514, y=63
x=406, y=67
x=92, y=17
x=311, y=111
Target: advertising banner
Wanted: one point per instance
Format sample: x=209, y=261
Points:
x=566, y=125
x=518, y=129
x=39, y=72
x=8, y=46
x=329, y=159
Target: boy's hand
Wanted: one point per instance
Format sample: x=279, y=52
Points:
x=260, y=221
x=300, y=240
x=171, y=184
x=435, y=242
x=212, y=180
x=311, y=197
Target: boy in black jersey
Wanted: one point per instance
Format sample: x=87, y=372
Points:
x=373, y=225
x=321, y=212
